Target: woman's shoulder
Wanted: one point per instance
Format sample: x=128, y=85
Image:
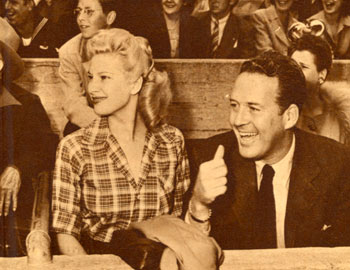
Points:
x=73, y=140
x=170, y=134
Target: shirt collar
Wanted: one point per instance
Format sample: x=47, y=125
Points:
x=222, y=20
x=98, y=133
x=7, y=99
x=282, y=168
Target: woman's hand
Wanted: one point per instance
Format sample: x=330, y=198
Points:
x=10, y=183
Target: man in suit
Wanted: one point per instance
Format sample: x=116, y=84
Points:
x=40, y=36
x=220, y=34
x=266, y=184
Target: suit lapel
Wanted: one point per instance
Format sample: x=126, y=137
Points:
x=243, y=185
x=229, y=38
x=302, y=191
x=277, y=26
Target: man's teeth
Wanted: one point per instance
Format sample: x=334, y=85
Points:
x=248, y=134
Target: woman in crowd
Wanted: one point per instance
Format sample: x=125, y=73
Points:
x=326, y=110
x=92, y=15
x=336, y=18
x=168, y=28
x=126, y=166
x=272, y=24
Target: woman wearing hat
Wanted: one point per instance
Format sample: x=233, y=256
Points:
x=126, y=166
x=27, y=148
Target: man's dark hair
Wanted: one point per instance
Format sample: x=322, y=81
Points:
x=291, y=80
x=109, y=5
x=318, y=47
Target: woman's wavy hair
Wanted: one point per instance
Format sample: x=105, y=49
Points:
x=136, y=55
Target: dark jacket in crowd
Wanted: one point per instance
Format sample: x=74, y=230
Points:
x=237, y=40
x=153, y=27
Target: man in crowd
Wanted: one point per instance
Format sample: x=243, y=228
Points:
x=27, y=148
x=40, y=37
x=267, y=184
x=220, y=34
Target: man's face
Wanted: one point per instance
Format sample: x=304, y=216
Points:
x=220, y=8
x=255, y=117
x=307, y=62
x=17, y=11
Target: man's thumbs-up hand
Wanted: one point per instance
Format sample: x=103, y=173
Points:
x=211, y=181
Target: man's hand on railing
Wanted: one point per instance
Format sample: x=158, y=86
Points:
x=10, y=183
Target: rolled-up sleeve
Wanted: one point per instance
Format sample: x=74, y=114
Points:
x=66, y=190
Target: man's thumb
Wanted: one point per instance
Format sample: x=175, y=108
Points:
x=219, y=152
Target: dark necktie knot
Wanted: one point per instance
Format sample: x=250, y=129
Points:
x=268, y=173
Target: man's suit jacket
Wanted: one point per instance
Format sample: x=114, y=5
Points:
x=156, y=31
x=269, y=32
x=318, y=205
x=236, y=42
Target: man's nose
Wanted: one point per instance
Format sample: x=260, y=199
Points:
x=242, y=117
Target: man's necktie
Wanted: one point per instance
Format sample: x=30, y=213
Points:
x=266, y=212
x=215, y=38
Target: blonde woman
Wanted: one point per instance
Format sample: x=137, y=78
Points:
x=128, y=165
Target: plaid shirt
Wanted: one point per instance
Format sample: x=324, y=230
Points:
x=94, y=191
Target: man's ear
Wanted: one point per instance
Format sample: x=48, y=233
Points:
x=322, y=76
x=111, y=16
x=1, y=65
x=290, y=116
x=137, y=86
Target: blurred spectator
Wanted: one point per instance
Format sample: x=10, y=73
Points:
x=40, y=37
x=27, y=147
x=60, y=12
x=326, y=110
x=335, y=16
x=272, y=24
x=168, y=27
x=92, y=15
x=221, y=34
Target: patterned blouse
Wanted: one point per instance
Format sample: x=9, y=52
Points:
x=94, y=191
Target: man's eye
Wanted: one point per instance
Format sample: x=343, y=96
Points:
x=89, y=77
x=233, y=105
x=104, y=77
x=254, y=109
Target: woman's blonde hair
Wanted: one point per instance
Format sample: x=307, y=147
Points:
x=136, y=57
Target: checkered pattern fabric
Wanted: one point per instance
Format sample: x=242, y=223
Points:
x=94, y=191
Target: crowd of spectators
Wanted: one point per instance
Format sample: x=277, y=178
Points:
x=185, y=28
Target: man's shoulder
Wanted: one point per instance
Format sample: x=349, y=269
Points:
x=323, y=149
x=72, y=45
